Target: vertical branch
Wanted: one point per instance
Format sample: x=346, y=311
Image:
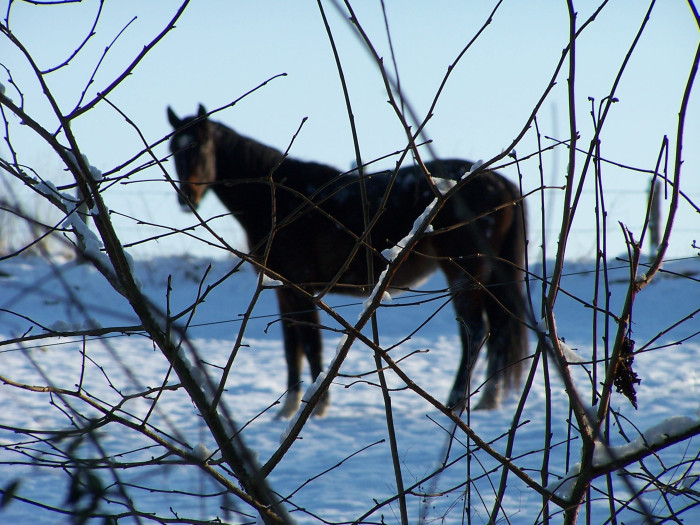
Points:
x=567, y=216
x=638, y=283
x=547, y=445
x=370, y=272
x=654, y=215
x=678, y=162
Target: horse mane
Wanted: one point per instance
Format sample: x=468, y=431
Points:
x=242, y=150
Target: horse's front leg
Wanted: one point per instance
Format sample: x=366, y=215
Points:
x=300, y=322
x=293, y=356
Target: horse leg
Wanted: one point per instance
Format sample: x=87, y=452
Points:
x=493, y=389
x=504, y=308
x=300, y=321
x=293, y=356
x=313, y=349
x=472, y=330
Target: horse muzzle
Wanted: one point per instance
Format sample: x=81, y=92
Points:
x=188, y=203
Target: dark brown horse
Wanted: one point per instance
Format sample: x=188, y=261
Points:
x=303, y=221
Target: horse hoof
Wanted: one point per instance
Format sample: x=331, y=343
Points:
x=487, y=404
x=456, y=401
x=322, y=407
x=292, y=401
x=491, y=398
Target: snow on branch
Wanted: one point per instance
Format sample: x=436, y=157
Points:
x=666, y=433
x=391, y=253
x=610, y=458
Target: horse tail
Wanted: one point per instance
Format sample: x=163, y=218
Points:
x=508, y=288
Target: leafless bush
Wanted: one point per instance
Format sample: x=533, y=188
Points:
x=71, y=421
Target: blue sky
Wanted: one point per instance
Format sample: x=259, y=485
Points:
x=220, y=50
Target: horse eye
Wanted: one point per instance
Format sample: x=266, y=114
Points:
x=185, y=142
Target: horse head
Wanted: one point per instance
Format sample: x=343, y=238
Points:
x=192, y=146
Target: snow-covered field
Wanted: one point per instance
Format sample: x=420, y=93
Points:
x=64, y=296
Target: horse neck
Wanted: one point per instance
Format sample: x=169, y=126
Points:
x=244, y=159
x=239, y=157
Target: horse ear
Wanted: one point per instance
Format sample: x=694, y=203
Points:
x=202, y=112
x=172, y=117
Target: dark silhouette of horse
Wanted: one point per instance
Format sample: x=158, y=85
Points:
x=303, y=221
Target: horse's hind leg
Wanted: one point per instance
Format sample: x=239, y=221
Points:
x=496, y=357
x=508, y=340
x=493, y=389
x=300, y=321
x=467, y=302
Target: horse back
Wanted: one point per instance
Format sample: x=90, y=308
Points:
x=320, y=223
